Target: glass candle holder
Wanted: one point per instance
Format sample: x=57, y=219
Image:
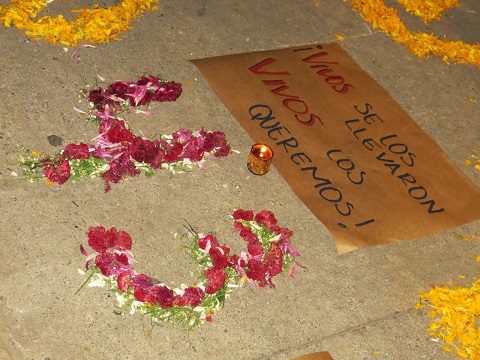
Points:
x=260, y=159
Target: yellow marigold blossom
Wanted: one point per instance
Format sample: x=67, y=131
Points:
x=422, y=44
x=446, y=349
x=428, y=10
x=456, y=311
x=419, y=306
x=95, y=25
x=475, y=160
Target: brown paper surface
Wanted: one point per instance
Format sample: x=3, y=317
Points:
x=356, y=159
x=315, y=356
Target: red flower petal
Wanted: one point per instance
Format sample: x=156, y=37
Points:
x=124, y=281
x=73, y=151
x=143, y=296
x=203, y=242
x=95, y=238
x=273, y=262
x=247, y=234
x=215, y=279
x=219, y=256
x=267, y=218
x=124, y=241
x=193, y=296
x=119, y=133
x=105, y=262
x=58, y=174
x=255, y=248
x=163, y=295
x=246, y=215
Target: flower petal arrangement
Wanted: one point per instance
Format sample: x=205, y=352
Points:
x=422, y=44
x=428, y=10
x=116, y=153
x=456, y=312
x=95, y=25
x=268, y=253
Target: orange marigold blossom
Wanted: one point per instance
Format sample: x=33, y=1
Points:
x=95, y=25
x=422, y=44
x=455, y=310
x=475, y=161
x=428, y=10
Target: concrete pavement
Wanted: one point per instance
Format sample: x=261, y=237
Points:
x=355, y=306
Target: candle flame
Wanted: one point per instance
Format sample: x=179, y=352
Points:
x=259, y=159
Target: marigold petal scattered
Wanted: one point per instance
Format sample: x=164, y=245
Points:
x=455, y=311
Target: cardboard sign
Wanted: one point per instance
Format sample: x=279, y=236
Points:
x=356, y=159
x=315, y=356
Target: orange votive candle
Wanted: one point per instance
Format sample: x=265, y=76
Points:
x=260, y=159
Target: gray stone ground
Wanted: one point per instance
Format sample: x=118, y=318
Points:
x=350, y=305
